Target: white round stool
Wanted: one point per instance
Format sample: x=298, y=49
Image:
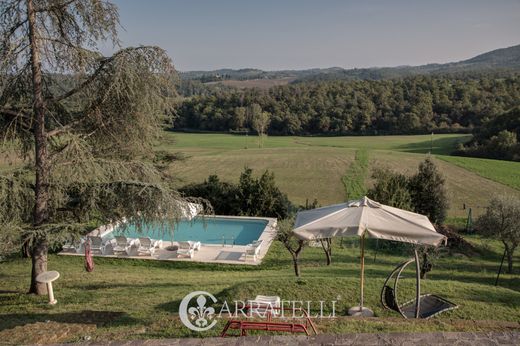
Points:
x=48, y=278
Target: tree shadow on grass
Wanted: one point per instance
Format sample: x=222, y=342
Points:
x=440, y=146
x=171, y=306
x=99, y=318
x=109, y=285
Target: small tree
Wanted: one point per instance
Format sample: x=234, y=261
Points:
x=502, y=220
x=326, y=245
x=290, y=242
x=261, y=197
x=259, y=121
x=428, y=192
x=239, y=118
x=391, y=188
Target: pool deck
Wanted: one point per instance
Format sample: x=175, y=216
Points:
x=208, y=253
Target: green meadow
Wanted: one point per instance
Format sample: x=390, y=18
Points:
x=135, y=299
x=130, y=299
x=308, y=168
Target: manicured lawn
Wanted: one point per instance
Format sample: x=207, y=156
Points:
x=126, y=299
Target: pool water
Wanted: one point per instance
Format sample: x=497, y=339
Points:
x=211, y=230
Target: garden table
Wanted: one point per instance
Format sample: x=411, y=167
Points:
x=48, y=278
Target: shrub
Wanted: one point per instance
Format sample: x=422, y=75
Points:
x=391, y=188
x=251, y=197
x=223, y=196
x=428, y=192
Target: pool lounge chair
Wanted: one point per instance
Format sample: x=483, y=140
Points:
x=123, y=245
x=147, y=246
x=253, y=249
x=187, y=248
x=75, y=246
x=97, y=245
x=195, y=245
x=264, y=304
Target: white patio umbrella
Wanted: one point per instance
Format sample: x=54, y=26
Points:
x=365, y=217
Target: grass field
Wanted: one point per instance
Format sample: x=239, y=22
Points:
x=126, y=299
x=313, y=167
x=505, y=172
x=263, y=84
x=129, y=299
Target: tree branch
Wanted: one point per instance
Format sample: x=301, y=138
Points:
x=55, y=7
x=80, y=87
x=95, y=74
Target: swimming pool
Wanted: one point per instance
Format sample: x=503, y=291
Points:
x=210, y=230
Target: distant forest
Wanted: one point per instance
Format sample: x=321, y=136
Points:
x=411, y=105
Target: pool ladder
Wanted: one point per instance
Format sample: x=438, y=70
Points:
x=224, y=241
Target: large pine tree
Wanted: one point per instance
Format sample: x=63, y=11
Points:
x=83, y=123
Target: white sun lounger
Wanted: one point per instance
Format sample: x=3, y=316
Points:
x=253, y=249
x=187, y=248
x=122, y=245
x=74, y=246
x=147, y=246
x=195, y=245
x=263, y=304
x=97, y=245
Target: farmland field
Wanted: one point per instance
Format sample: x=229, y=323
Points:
x=313, y=167
x=255, y=83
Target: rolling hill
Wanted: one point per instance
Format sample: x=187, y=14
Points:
x=498, y=61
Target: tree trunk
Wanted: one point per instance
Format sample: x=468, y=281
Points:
x=40, y=247
x=296, y=265
x=426, y=266
x=509, y=253
x=26, y=250
x=326, y=244
x=39, y=265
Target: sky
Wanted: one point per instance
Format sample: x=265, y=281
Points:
x=301, y=34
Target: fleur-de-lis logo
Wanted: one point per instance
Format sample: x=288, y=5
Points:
x=201, y=314
x=198, y=317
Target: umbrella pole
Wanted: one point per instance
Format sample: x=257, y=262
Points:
x=362, y=270
x=361, y=310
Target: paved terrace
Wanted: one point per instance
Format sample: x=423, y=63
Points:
x=208, y=253
x=440, y=338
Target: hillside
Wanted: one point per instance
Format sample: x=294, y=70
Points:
x=312, y=167
x=499, y=61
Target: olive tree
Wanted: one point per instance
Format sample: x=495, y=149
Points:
x=290, y=242
x=502, y=221
x=83, y=123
